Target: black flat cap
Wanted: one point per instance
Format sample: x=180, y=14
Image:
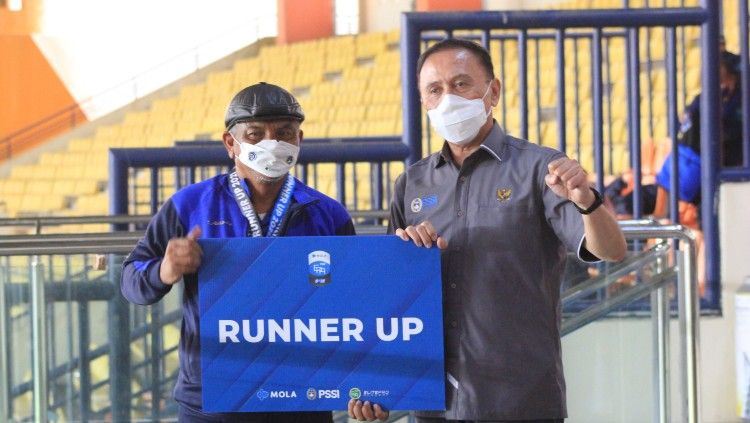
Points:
x=263, y=101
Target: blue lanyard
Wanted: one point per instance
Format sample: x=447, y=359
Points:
x=246, y=206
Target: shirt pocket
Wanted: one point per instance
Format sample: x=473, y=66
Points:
x=502, y=225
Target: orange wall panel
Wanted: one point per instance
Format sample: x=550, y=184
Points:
x=31, y=91
x=301, y=20
x=21, y=22
x=448, y=5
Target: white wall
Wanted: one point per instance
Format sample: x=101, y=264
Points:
x=138, y=46
x=517, y=4
x=383, y=15
x=608, y=364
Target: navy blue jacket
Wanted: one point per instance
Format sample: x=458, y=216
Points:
x=211, y=205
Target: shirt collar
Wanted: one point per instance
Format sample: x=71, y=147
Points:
x=494, y=144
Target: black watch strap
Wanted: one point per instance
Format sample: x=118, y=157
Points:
x=595, y=205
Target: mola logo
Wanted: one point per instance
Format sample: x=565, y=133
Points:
x=262, y=394
x=319, y=268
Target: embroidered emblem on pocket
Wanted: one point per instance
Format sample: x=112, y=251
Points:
x=503, y=194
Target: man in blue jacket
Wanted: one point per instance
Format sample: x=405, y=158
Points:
x=258, y=198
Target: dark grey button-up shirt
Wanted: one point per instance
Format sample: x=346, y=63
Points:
x=507, y=233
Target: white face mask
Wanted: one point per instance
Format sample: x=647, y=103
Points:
x=457, y=119
x=270, y=158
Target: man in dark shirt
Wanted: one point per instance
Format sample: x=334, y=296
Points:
x=503, y=211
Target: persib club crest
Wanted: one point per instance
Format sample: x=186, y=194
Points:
x=251, y=156
x=319, y=268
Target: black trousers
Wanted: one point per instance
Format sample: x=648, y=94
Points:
x=187, y=415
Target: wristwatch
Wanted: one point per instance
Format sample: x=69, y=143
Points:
x=595, y=205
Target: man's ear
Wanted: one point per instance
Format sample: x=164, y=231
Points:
x=228, y=140
x=301, y=135
x=496, y=87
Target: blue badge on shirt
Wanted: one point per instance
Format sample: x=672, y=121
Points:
x=424, y=203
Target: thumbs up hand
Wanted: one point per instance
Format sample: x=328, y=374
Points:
x=183, y=256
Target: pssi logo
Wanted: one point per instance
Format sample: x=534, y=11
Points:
x=329, y=393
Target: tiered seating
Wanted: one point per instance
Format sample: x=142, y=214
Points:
x=351, y=86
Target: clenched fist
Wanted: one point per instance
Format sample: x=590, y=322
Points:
x=568, y=180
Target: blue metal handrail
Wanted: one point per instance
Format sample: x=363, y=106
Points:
x=340, y=151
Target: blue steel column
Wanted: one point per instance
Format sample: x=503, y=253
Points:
x=426, y=124
x=672, y=120
x=119, y=310
x=412, y=120
x=560, y=51
x=537, y=92
x=745, y=78
x=303, y=173
x=598, y=112
x=154, y=193
x=523, y=95
x=683, y=62
x=118, y=188
x=341, y=183
x=84, y=367
x=649, y=84
x=119, y=341
x=485, y=37
x=710, y=106
x=376, y=186
x=502, y=81
x=634, y=117
x=608, y=81
x=156, y=358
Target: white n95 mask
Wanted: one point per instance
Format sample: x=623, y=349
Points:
x=457, y=119
x=270, y=158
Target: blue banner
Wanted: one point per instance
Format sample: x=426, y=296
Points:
x=306, y=323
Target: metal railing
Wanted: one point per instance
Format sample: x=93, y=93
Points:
x=378, y=152
x=43, y=290
x=684, y=268
x=562, y=25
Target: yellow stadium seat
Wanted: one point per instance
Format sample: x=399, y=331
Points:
x=13, y=186
x=80, y=144
x=37, y=204
x=40, y=187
